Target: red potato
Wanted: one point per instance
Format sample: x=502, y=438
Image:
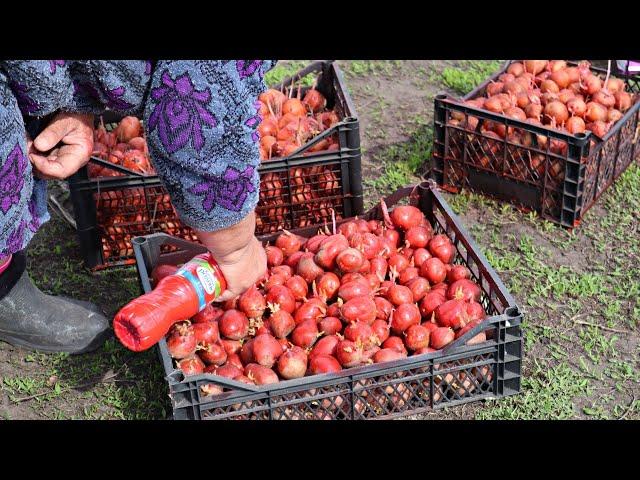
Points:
x=388, y=355
x=441, y=337
x=206, y=332
x=293, y=259
x=416, y=337
x=398, y=263
x=349, y=354
x=212, y=353
x=329, y=250
x=399, y=294
x=350, y=260
x=419, y=236
x=361, y=333
x=381, y=329
x=431, y=301
x=181, y=341
x=231, y=346
x=321, y=364
x=285, y=270
x=234, y=325
x=208, y=314
x=281, y=323
x=128, y=128
x=227, y=370
x=452, y=313
x=260, y=374
x=383, y=308
x=298, y=286
x=408, y=274
x=266, y=350
x=359, y=309
x=282, y=297
x=434, y=270
x=311, y=310
x=191, y=366
x=292, y=363
x=355, y=288
x=325, y=346
x=162, y=271
x=367, y=243
x=395, y=343
x=419, y=287
x=403, y=317
x=330, y=325
x=328, y=285
x=464, y=289
x=305, y=334
x=307, y=268
x=379, y=267
x=288, y=243
x=234, y=359
x=252, y=303
x=246, y=352
x=274, y=280
x=406, y=217
x=441, y=247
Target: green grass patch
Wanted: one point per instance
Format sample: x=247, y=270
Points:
x=547, y=394
x=287, y=68
x=469, y=75
x=403, y=162
x=357, y=68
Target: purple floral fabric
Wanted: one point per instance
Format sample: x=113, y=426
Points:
x=54, y=64
x=27, y=104
x=15, y=240
x=114, y=100
x=229, y=190
x=180, y=112
x=34, y=222
x=247, y=68
x=12, y=179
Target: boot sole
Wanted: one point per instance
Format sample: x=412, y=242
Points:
x=94, y=345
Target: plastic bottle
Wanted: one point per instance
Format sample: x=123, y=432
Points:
x=143, y=322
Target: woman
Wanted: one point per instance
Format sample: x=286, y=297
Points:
x=200, y=119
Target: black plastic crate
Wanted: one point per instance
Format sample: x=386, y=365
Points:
x=560, y=180
x=298, y=190
x=457, y=374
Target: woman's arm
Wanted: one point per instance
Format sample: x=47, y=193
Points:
x=201, y=119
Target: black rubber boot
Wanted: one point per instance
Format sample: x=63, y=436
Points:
x=32, y=319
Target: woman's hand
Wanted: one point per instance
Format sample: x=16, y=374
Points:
x=75, y=131
x=239, y=254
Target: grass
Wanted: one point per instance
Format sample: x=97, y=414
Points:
x=469, y=75
x=547, y=394
x=402, y=163
x=566, y=362
x=287, y=68
x=356, y=68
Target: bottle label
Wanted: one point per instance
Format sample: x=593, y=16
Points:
x=204, y=280
x=207, y=279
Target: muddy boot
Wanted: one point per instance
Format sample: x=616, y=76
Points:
x=32, y=319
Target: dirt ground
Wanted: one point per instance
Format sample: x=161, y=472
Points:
x=579, y=290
